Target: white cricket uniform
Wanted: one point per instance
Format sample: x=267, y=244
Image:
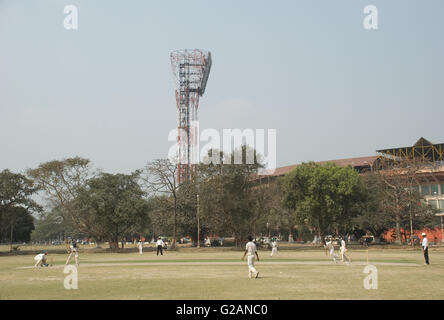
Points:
x=331, y=247
x=274, y=249
x=140, y=247
x=425, y=242
x=343, y=250
x=75, y=252
x=251, y=251
x=39, y=258
x=160, y=243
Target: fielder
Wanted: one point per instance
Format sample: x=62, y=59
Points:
x=74, y=250
x=251, y=250
x=345, y=257
x=41, y=259
x=140, y=247
x=274, y=248
x=329, y=246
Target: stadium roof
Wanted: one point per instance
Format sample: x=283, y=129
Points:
x=360, y=164
x=422, y=150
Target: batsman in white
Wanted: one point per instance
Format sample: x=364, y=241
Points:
x=41, y=259
x=74, y=250
x=329, y=246
x=251, y=250
x=274, y=248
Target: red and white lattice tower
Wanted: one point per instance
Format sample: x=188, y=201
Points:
x=191, y=69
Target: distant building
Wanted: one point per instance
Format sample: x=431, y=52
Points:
x=430, y=177
x=427, y=156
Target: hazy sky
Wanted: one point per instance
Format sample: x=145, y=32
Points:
x=308, y=69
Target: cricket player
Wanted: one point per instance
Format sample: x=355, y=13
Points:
x=251, y=250
x=74, y=250
x=329, y=246
x=425, y=248
x=160, y=244
x=345, y=257
x=41, y=259
x=274, y=248
x=140, y=247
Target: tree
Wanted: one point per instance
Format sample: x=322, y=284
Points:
x=225, y=191
x=398, y=199
x=53, y=225
x=372, y=219
x=187, y=204
x=160, y=178
x=16, y=204
x=61, y=180
x=111, y=206
x=16, y=190
x=261, y=200
x=16, y=225
x=325, y=197
x=161, y=217
x=270, y=209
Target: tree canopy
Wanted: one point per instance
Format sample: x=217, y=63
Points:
x=226, y=194
x=16, y=206
x=325, y=197
x=111, y=206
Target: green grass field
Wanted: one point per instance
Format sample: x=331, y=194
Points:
x=217, y=274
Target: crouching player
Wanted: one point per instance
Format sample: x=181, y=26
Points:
x=41, y=259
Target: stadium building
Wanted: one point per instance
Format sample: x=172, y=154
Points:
x=429, y=176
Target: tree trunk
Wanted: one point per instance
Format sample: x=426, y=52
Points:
x=12, y=232
x=321, y=232
x=173, y=243
x=321, y=237
x=115, y=245
x=397, y=229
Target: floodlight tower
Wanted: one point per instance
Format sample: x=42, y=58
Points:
x=191, y=69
